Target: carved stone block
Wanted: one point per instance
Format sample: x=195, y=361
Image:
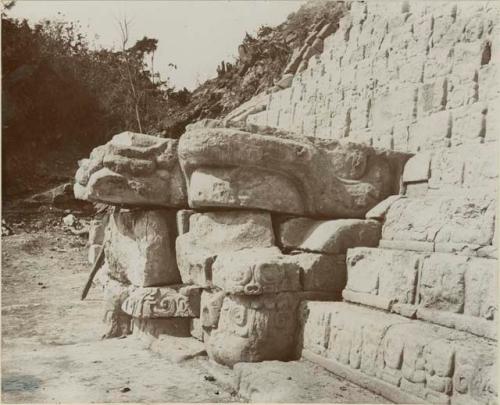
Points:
x=320, y=272
x=255, y=272
x=216, y=232
x=227, y=167
x=211, y=304
x=139, y=247
x=133, y=169
x=163, y=302
x=465, y=219
x=389, y=275
x=254, y=329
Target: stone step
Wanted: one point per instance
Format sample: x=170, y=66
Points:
x=459, y=224
x=467, y=169
x=452, y=290
x=404, y=360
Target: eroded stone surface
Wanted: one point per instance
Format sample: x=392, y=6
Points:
x=163, y=302
x=330, y=237
x=227, y=167
x=133, y=169
x=255, y=272
x=321, y=272
x=404, y=360
x=254, y=329
x=381, y=278
x=452, y=290
x=216, y=232
x=139, y=247
x=463, y=219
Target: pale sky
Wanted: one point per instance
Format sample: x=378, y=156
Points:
x=195, y=35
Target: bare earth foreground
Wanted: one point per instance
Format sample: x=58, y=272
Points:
x=52, y=351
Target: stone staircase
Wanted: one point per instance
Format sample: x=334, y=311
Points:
x=349, y=219
x=419, y=319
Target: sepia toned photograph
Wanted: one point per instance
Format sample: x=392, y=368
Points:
x=250, y=201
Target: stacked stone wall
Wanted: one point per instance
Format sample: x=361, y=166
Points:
x=407, y=76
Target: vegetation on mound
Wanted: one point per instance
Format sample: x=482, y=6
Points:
x=61, y=97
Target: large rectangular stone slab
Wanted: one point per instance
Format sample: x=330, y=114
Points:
x=139, y=247
x=330, y=237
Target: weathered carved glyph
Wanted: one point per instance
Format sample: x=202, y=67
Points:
x=139, y=247
x=405, y=360
x=134, y=169
x=445, y=223
x=180, y=301
x=255, y=272
x=252, y=329
x=216, y=232
x=227, y=167
x=451, y=290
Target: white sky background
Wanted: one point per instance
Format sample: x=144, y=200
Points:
x=195, y=35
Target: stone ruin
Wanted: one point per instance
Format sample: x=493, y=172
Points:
x=346, y=216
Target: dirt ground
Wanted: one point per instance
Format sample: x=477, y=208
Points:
x=51, y=346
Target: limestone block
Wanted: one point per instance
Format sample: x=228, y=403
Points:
x=378, y=212
x=395, y=105
x=255, y=272
x=389, y=275
x=320, y=272
x=489, y=89
x=285, y=81
x=417, y=168
x=464, y=167
x=304, y=176
x=133, y=169
x=178, y=301
x=447, y=169
x=253, y=329
x=469, y=124
x=430, y=132
x=493, y=122
x=416, y=190
x=432, y=97
x=445, y=220
x=330, y=237
x=212, y=233
x=481, y=288
x=442, y=282
x=211, y=304
x=139, y=247
x=462, y=87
